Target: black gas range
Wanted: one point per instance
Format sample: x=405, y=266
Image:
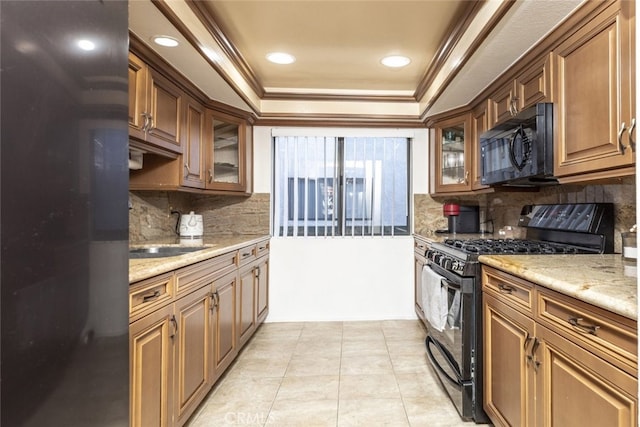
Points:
x=450, y=284
x=579, y=228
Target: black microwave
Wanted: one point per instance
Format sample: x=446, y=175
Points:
x=519, y=152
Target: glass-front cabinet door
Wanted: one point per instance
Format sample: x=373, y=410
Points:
x=226, y=153
x=452, y=155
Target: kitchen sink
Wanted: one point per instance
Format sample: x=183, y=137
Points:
x=163, y=251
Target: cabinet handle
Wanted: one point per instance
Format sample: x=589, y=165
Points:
x=632, y=142
x=210, y=176
x=466, y=178
x=212, y=305
x=174, y=323
x=623, y=147
x=527, y=340
x=150, y=122
x=186, y=166
x=216, y=299
x=152, y=296
x=513, y=107
x=262, y=248
x=246, y=254
x=258, y=271
x=505, y=289
x=532, y=356
x=145, y=124
x=581, y=327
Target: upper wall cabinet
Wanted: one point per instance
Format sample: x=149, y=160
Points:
x=225, y=152
x=189, y=145
x=155, y=107
x=451, y=150
x=480, y=124
x=528, y=88
x=595, y=114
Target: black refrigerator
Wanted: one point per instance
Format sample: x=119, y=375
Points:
x=63, y=213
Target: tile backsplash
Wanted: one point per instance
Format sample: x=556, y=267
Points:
x=150, y=216
x=503, y=208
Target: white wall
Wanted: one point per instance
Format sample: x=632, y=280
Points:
x=350, y=278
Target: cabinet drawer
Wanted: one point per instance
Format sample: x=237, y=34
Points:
x=149, y=295
x=613, y=337
x=511, y=290
x=262, y=248
x=246, y=255
x=420, y=247
x=190, y=278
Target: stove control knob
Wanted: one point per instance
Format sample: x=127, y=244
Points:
x=447, y=263
x=436, y=258
x=429, y=254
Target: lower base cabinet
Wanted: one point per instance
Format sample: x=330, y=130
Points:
x=151, y=369
x=193, y=342
x=542, y=370
x=179, y=346
x=226, y=347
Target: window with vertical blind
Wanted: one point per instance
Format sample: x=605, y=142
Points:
x=341, y=186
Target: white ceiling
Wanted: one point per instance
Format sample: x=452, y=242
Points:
x=338, y=46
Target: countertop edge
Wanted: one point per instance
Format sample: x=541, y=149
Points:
x=617, y=295
x=141, y=269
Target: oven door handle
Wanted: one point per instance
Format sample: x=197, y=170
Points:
x=457, y=381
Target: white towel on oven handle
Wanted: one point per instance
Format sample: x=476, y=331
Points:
x=434, y=298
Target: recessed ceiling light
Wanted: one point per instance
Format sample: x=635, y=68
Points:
x=395, y=61
x=281, y=58
x=165, y=41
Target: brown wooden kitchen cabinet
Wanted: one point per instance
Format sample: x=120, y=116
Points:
x=225, y=152
x=155, y=107
x=226, y=342
x=552, y=360
x=194, y=352
x=479, y=123
x=531, y=86
x=451, y=150
x=151, y=347
x=246, y=302
x=595, y=109
x=194, y=143
x=185, y=330
x=262, y=287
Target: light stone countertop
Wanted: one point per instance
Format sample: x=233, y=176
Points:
x=144, y=268
x=601, y=280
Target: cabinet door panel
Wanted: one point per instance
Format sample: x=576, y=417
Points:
x=166, y=113
x=151, y=369
x=593, y=105
x=501, y=104
x=137, y=95
x=581, y=389
x=226, y=347
x=534, y=85
x=262, y=291
x=246, y=304
x=193, y=360
x=509, y=382
x=193, y=174
x=452, y=151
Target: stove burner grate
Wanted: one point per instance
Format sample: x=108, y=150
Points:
x=512, y=246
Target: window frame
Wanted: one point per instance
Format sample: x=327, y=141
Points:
x=341, y=228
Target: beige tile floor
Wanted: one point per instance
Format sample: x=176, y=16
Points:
x=330, y=374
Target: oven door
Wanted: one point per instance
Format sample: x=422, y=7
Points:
x=450, y=350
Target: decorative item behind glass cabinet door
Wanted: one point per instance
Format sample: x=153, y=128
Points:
x=453, y=171
x=226, y=153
